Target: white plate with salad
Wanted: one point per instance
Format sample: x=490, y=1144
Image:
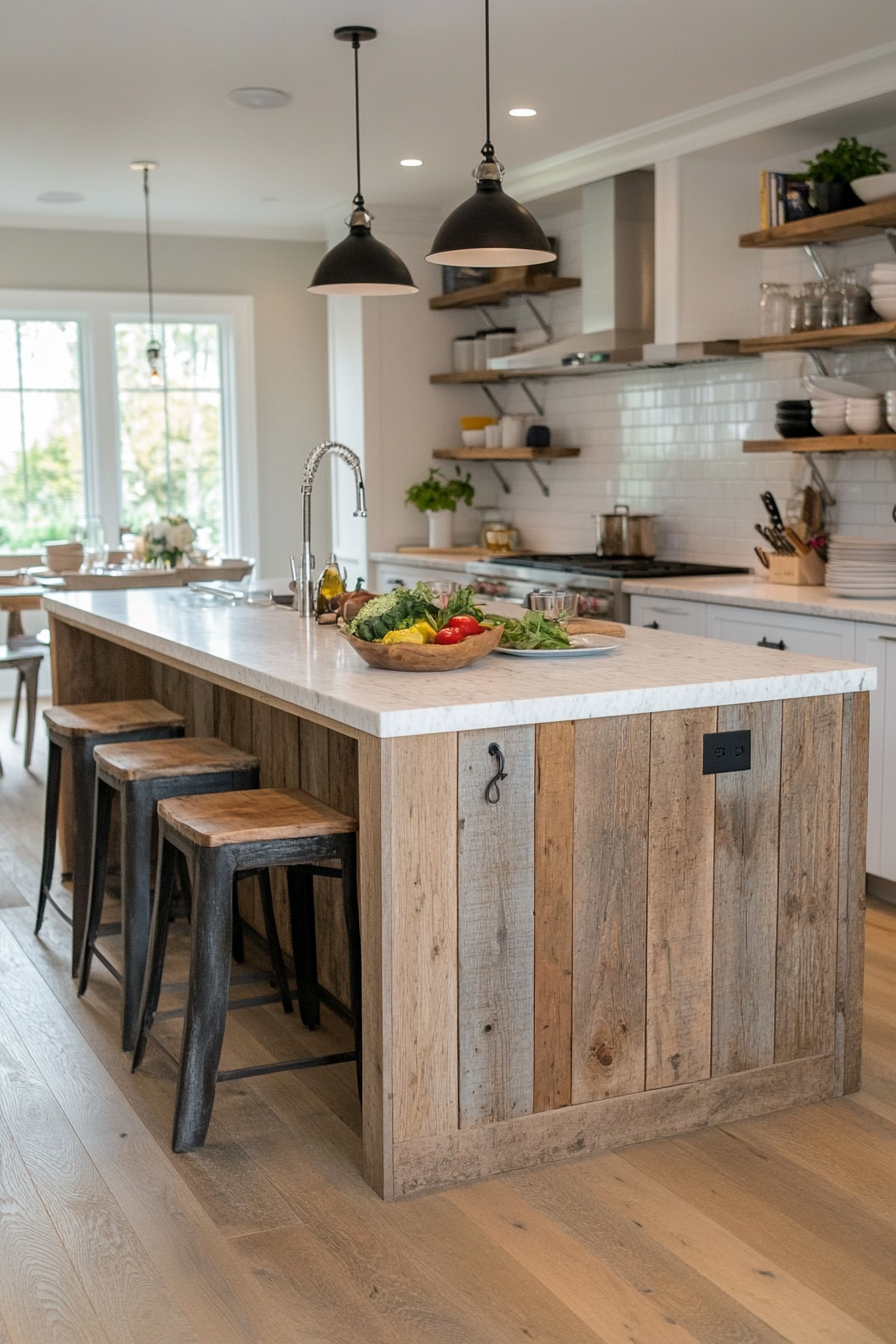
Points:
x=580, y=646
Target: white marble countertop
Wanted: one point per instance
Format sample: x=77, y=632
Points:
x=275, y=652
x=755, y=592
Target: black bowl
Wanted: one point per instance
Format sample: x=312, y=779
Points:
x=805, y=405
x=796, y=431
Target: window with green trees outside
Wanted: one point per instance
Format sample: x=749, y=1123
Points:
x=170, y=433
x=41, y=432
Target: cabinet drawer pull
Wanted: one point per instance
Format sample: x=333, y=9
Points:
x=766, y=643
x=652, y=625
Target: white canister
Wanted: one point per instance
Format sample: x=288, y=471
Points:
x=513, y=431
x=480, y=349
x=499, y=342
x=493, y=435
x=440, y=529
x=463, y=352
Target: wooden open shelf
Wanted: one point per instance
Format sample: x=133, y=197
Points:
x=826, y=443
x=823, y=339
x=504, y=454
x=839, y=227
x=506, y=288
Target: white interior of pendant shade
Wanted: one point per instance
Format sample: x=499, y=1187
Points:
x=491, y=256
x=365, y=290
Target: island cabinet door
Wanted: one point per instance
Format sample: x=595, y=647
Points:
x=621, y=946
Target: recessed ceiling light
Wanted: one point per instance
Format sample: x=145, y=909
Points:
x=412, y=163
x=60, y=197
x=259, y=99
x=523, y=112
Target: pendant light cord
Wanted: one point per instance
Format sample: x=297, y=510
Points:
x=148, y=253
x=488, y=149
x=359, y=199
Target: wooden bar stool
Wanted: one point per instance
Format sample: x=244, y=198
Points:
x=142, y=774
x=25, y=661
x=77, y=729
x=221, y=835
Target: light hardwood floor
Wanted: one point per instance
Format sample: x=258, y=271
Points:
x=782, y=1228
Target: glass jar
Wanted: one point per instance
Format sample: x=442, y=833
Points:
x=832, y=299
x=811, y=305
x=855, y=300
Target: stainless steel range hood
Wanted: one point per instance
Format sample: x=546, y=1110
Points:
x=617, y=291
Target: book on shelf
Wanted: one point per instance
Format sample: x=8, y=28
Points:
x=783, y=197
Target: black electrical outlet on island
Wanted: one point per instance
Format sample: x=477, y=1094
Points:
x=726, y=751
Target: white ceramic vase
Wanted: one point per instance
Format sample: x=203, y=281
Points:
x=439, y=529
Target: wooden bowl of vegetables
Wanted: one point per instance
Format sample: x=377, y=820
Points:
x=405, y=631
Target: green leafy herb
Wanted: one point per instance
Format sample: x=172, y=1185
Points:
x=846, y=161
x=532, y=631
x=436, y=494
x=397, y=610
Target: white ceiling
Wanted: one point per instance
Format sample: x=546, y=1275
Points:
x=88, y=85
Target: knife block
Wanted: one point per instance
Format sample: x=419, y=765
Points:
x=804, y=570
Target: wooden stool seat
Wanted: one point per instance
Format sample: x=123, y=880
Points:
x=254, y=816
x=113, y=716
x=172, y=757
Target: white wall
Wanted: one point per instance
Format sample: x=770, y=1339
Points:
x=290, y=340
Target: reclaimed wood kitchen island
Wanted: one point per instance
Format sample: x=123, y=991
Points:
x=621, y=948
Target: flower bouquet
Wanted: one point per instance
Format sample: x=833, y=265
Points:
x=166, y=542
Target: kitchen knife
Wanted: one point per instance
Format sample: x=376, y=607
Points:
x=797, y=542
x=762, y=555
x=773, y=511
x=776, y=540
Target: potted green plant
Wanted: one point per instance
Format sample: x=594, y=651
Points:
x=832, y=170
x=438, y=499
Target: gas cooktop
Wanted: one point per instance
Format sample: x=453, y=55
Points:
x=613, y=566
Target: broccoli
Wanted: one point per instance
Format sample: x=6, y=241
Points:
x=397, y=610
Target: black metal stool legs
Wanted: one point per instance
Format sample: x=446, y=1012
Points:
x=102, y=823
x=278, y=966
x=206, y=1013
x=300, y=885
x=158, y=941
x=51, y=818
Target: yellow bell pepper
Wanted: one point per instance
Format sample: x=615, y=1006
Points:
x=412, y=636
x=426, y=630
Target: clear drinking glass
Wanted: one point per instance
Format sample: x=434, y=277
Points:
x=555, y=604
x=443, y=590
x=774, y=309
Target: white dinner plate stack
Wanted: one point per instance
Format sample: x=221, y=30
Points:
x=861, y=567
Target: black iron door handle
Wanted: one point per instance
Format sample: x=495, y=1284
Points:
x=765, y=643
x=652, y=625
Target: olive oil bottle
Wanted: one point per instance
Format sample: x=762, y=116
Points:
x=330, y=584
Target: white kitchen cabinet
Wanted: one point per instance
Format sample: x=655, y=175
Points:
x=385, y=577
x=818, y=635
x=668, y=613
x=876, y=644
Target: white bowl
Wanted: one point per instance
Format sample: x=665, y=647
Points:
x=884, y=291
x=829, y=409
x=473, y=438
x=837, y=387
x=830, y=424
x=886, y=308
x=874, y=188
x=861, y=420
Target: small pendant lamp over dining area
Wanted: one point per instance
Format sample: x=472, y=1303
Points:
x=490, y=228
x=360, y=264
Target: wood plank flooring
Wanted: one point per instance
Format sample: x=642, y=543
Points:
x=777, y=1229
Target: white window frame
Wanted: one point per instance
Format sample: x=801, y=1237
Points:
x=97, y=312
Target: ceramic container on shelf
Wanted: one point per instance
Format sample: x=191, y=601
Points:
x=440, y=529
x=863, y=415
x=874, y=188
x=890, y=402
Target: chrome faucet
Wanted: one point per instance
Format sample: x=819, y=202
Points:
x=303, y=583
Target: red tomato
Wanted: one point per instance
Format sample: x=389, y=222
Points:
x=451, y=634
x=468, y=624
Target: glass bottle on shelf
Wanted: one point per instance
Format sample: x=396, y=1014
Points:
x=774, y=309
x=811, y=305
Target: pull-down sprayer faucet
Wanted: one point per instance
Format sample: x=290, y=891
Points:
x=303, y=599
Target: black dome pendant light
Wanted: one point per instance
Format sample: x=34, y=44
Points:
x=359, y=264
x=490, y=229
